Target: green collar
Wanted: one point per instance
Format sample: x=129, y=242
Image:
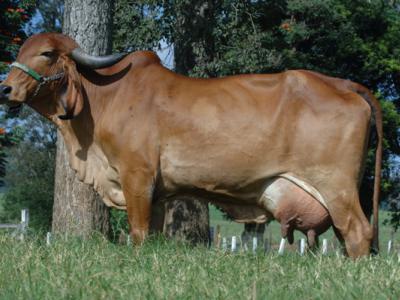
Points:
x=41, y=79
x=27, y=70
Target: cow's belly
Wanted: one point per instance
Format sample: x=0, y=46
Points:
x=228, y=170
x=287, y=199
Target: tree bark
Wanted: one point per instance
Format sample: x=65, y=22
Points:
x=78, y=209
x=187, y=218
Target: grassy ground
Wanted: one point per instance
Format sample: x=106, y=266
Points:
x=97, y=269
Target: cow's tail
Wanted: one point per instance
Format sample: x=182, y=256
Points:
x=377, y=116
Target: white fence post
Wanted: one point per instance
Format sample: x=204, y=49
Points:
x=254, y=244
x=233, y=246
x=389, y=247
x=324, y=247
x=282, y=246
x=128, y=240
x=48, y=238
x=25, y=217
x=302, y=246
x=24, y=222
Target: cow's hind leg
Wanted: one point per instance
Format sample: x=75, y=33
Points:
x=350, y=221
x=287, y=230
x=312, y=239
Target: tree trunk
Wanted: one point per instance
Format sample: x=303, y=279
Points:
x=187, y=218
x=78, y=209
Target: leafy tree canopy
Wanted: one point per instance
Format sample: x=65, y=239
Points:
x=14, y=15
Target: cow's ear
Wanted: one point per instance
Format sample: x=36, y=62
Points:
x=71, y=95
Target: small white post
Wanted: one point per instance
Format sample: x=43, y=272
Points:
x=324, y=247
x=282, y=246
x=48, y=238
x=25, y=216
x=302, y=246
x=389, y=247
x=233, y=246
x=128, y=240
x=254, y=244
x=224, y=244
x=24, y=222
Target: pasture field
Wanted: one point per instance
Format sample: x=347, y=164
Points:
x=160, y=269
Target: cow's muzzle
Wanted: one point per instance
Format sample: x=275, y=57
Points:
x=14, y=107
x=5, y=91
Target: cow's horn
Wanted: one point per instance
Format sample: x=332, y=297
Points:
x=95, y=62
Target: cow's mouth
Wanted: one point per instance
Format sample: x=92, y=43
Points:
x=14, y=107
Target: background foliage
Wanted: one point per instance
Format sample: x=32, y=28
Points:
x=27, y=143
x=353, y=39
x=29, y=177
x=14, y=15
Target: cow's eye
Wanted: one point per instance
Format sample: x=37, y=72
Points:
x=49, y=54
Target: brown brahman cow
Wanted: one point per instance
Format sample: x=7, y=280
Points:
x=139, y=132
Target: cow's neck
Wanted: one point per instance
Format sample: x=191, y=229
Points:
x=99, y=91
x=85, y=154
x=80, y=134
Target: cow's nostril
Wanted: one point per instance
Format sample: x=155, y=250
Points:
x=6, y=89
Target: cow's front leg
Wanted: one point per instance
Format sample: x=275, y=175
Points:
x=138, y=190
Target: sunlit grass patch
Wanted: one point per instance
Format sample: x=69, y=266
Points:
x=161, y=269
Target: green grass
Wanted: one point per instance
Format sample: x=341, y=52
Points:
x=160, y=269
x=98, y=269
